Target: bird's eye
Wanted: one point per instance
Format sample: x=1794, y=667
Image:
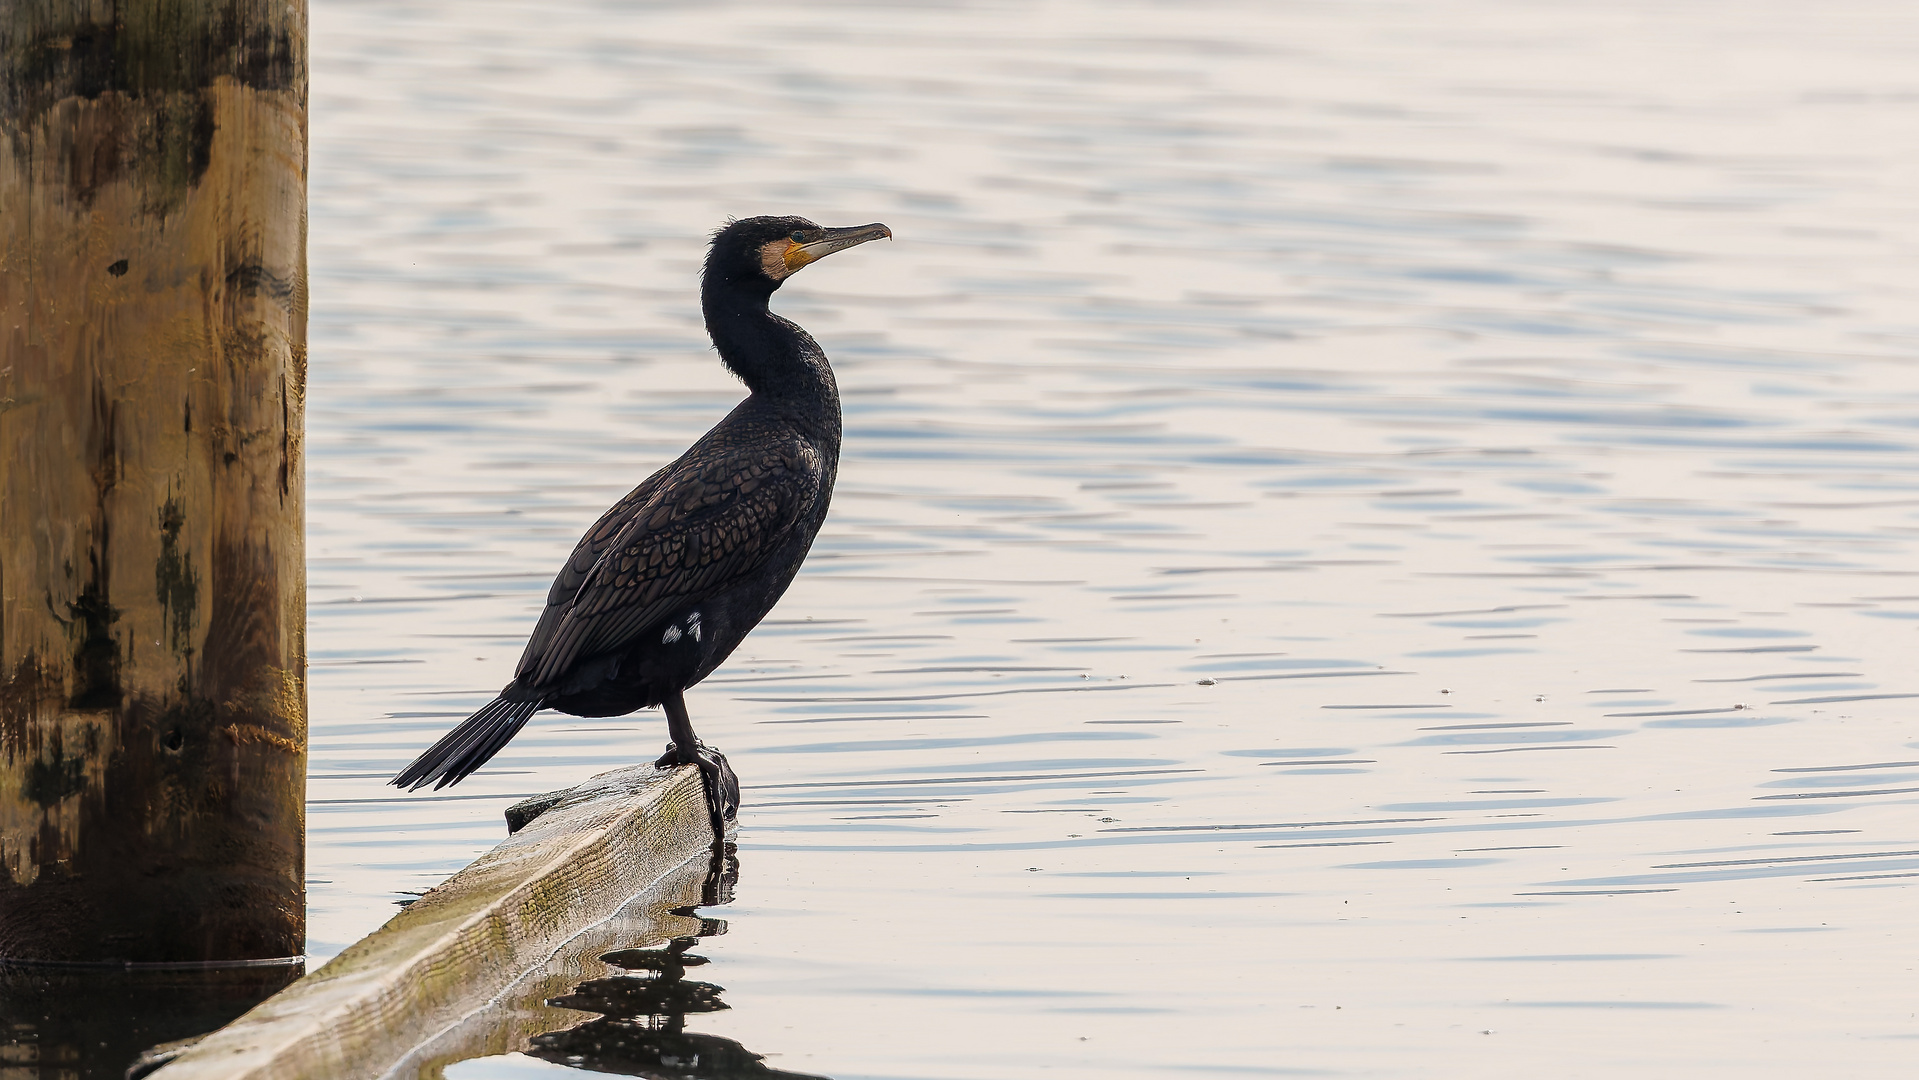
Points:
x=798, y=237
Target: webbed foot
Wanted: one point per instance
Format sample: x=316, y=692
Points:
x=716, y=776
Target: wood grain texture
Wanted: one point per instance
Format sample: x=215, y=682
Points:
x=450, y=953
x=508, y=1022
x=152, y=512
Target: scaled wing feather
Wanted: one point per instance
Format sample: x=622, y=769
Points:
x=699, y=528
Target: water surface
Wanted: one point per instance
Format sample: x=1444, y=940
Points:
x=1374, y=538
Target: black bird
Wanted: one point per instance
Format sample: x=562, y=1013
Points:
x=666, y=584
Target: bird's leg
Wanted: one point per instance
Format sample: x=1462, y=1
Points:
x=716, y=776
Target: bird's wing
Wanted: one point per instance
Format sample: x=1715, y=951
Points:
x=586, y=554
x=696, y=528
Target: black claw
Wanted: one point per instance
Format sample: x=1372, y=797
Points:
x=726, y=784
x=716, y=776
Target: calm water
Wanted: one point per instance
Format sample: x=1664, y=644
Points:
x=1375, y=539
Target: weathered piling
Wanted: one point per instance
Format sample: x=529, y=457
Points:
x=152, y=561
x=436, y=967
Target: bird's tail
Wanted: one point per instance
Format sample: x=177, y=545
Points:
x=468, y=746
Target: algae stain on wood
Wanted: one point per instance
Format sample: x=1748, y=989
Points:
x=58, y=777
x=175, y=584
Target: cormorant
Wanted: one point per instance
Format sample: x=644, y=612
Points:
x=664, y=586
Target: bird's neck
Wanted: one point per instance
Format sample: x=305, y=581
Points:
x=777, y=360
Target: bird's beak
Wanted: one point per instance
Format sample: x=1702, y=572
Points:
x=835, y=240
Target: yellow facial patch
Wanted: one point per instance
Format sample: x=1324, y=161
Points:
x=780, y=258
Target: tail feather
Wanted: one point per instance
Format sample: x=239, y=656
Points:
x=468, y=746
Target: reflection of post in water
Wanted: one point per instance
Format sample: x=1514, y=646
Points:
x=85, y=1022
x=642, y=1026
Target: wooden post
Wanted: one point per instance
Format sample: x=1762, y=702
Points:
x=152, y=504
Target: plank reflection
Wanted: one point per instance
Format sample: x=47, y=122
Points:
x=642, y=1026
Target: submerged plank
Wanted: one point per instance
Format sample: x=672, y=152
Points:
x=458, y=947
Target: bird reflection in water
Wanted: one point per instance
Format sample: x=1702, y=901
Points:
x=642, y=1026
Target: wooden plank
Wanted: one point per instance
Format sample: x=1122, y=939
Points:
x=512, y=1019
x=459, y=947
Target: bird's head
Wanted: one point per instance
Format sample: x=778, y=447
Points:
x=768, y=250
